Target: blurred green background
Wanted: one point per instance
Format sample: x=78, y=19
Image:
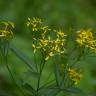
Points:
x=75, y=14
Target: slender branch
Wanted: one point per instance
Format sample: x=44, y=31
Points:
x=78, y=58
x=41, y=70
x=38, y=84
x=35, y=61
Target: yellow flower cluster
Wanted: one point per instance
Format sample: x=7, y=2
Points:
x=74, y=76
x=6, y=30
x=50, y=41
x=85, y=37
x=34, y=23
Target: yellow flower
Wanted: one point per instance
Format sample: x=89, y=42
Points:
x=45, y=29
x=75, y=76
x=46, y=58
x=34, y=23
x=34, y=48
x=6, y=30
x=51, y=45
x=44, y=42
x=86, y=38
x=60, y=33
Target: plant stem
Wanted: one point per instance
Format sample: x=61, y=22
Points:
x=41, y=70
x=35, y=61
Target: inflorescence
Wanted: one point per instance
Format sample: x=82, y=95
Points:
x=86, y=38
x=51, y=41
x=44, y=40
x=74, y=75
x=6, y=30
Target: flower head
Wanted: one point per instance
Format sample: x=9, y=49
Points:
x=86, y=38
x=6, y=30
x=74, y=76
x=50, y=41
x=34, y=23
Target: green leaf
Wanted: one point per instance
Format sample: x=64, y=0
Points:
x=30, y=89
x=23, y=57
x=33, y=74
x=51, y=90
x=74, y=90
x=58, y=75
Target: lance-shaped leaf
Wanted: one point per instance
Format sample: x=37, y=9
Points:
x=23, y=57
x=31, y=73
x=51, y=90
x=30, y=89
x=58, y=75
x=74, y=90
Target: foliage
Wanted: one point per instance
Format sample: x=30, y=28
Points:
x=51, y=45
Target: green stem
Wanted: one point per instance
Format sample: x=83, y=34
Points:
x=79, y=57
x=35, y=61
x=38, y=83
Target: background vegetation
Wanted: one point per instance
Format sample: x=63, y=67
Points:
x=67, y=14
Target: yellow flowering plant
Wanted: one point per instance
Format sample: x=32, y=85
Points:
x=6, y=35
x=86, y=38
x=51, y=45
